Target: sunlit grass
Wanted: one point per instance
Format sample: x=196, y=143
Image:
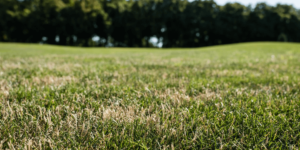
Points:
x=243, y=96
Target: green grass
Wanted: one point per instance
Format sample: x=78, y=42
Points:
x=242, y=96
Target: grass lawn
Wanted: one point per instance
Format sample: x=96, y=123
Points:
x=241, y=96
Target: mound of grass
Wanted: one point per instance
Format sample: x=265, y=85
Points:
x=243, y=96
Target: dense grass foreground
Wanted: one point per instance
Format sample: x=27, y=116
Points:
x=244, y=96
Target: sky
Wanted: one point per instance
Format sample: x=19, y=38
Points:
x=295, y=3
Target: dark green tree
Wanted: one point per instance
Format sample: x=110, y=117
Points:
x=132, y=23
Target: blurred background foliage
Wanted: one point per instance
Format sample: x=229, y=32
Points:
x=145, y=23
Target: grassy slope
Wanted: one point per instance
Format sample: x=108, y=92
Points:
x=234, y=96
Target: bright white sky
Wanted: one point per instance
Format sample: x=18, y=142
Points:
x=295, y=3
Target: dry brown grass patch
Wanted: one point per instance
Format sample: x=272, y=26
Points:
x=53, y=80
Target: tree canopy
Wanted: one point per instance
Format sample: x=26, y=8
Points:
x=132, y=23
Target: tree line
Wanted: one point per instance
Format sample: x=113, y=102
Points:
x=133, y=23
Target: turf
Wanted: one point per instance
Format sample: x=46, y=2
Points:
x=241, y=96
